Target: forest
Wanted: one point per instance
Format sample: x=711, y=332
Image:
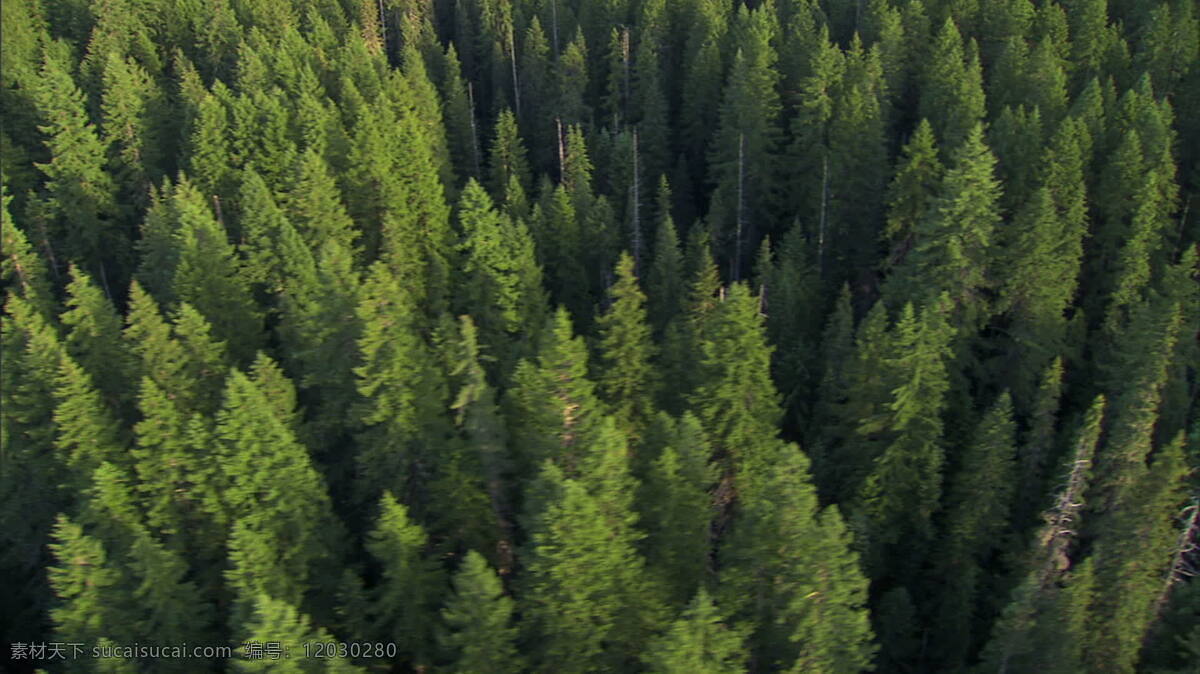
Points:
x=566, y=336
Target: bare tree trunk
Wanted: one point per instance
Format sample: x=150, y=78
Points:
x=554, y=25
x=512, y=52
x=474, y=131
x=824, y=204
x=1183, y=563
x=635, y=215
x=562, y=157
x=741, y=202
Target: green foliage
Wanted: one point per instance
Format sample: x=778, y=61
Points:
x=477, y=617
x=403, y=602
x=700, y=642
x=627, y=378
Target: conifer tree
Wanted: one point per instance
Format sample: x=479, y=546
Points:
x=736, y=400
x=206, y=274
x=911, y=194
x=507, y=159
x=274, y=621
x=84, y=581
x=184, y=360
x=676, y=502
x=788, y=567
x=501, y=284
x=952, y=247
x=315, y=205
x=627, y=379
x=977, y=513
x=952, y=97
x=699, y=642
x=401, y=406
x=279, y=537
x=80, y=199
x=94, y=339
x=904, y=487
x=1025, y=632
x=585, y=581
x=1131, y=559
x=22, y=268
x=748, y=135
x=664, y=279
x=478, y=617
x=410, y=587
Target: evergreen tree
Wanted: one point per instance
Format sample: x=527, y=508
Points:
x=789, y=568
x=952, y=247
x=952, y=96
x=676, y=503
x=401, y=406
x=276, y=622
x=904, y=487
x=977, y=514
x=627, y=378
x=94, y=339
x=742, y=155
x=500, y=277
x=404, y=601
x=699, y=642
x=736, y=400
x=478, y=615
x=79, y=205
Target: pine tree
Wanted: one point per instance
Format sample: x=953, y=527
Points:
x=94, y=339
x=676, y=502
x=584, y=582
x=552, y=404
x=977, y=513
x=1131, y=559
x=479, y=636
x=742, y=156
x=279, y=537
x=315, y=205
x=501, y=284
x=80, y=199
x=664, y=279
x=788, y=567
x=183, y=359
x=699, y=642
x=401, y=408
x=911, y=194
x=403, y=603
x=507, y=159
x=904, y=487
x=274, y=621
x=736, y=400
x=84, y=581
x=22, y=268
x=207, y=277
x=951, y=85
x=627, y=379
x=952, y=247
x=1024, y=634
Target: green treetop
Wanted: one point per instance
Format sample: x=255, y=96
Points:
x=478, y=617
x=699, y=642
x=627, y=378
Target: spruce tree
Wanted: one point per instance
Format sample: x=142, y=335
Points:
x=94, y=339
x=736, y=401
x=627, y=379
x=699, y=641
x=676, y=504
x=789, y=568
x=479, y=636
x=403, y=603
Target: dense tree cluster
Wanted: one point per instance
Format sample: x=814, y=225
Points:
x=678, y=336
